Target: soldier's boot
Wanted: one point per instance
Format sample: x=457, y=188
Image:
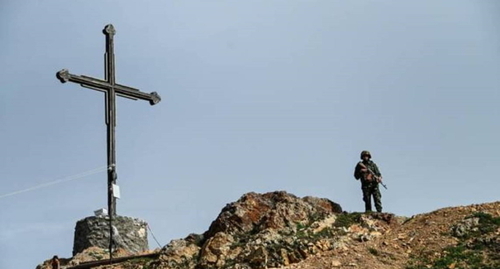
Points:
x=368, y=207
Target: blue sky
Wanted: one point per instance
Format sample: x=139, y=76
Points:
x=256, y=96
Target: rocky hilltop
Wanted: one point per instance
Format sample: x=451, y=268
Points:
x=280, y=230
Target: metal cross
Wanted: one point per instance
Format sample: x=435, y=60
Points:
x=111, y=89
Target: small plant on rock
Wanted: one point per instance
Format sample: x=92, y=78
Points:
x=373, y=251
x=347, y=219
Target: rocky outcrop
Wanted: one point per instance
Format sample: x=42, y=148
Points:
x=269, y=230
x=275, y=210
x=181, y=253
x=129, y=234
x=258, y=231
x=280, y=230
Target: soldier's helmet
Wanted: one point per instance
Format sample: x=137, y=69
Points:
x=365, y=153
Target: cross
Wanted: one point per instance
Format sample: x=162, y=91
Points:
x=111, y=89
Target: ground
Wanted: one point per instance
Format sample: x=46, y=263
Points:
x=448, y=238
x=419, y=236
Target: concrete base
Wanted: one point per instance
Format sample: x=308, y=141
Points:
x=128, y=233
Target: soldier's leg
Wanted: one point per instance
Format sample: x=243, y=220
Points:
x=367, y=199
x=377, y=198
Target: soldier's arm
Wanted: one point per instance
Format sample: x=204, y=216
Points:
x=376, y=170
x=357, y=172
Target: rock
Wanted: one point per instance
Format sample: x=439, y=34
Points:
x=284, y=256
x=275, y=210
x=90, y=254
x=319, y=226
x=258, y=258
x=323, y=206
x=181, y=251
x=267, y=230
x=323, y=245
x=336, y=263
x=463, y=228
x=375, y=234
x=215, y=251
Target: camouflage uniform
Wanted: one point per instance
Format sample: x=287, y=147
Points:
x=369, y=185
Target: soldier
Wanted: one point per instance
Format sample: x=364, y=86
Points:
x=370, y=176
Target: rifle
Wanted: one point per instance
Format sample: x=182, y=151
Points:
x=371, y=172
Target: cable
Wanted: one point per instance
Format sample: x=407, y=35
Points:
x=66, y=179
x=149, y=228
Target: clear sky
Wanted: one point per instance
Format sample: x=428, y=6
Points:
x=256, y=96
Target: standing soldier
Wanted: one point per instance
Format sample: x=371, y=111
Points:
x=370, y=176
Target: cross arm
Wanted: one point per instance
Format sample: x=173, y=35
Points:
x=102, y=85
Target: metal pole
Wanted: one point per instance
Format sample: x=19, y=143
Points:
x=109, y=31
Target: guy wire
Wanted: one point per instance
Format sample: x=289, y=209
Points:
x=66, y=179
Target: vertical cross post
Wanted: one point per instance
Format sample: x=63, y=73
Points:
x=109, y=70
x=111, y=90
x=109, y=65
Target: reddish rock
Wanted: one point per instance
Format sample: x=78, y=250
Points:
x=255, y=212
